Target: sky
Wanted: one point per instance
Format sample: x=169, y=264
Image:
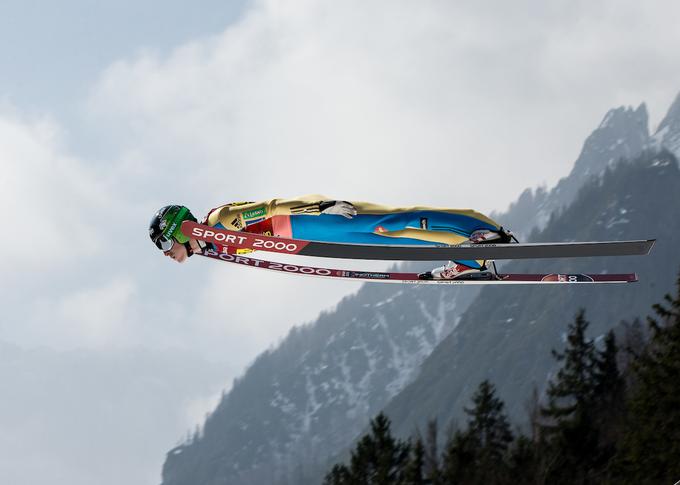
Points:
x=109, y=111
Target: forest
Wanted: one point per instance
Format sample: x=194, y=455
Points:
x=610, y=414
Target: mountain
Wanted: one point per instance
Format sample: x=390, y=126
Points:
x=667, y=134
x=301, y=403
x=622, y=135
x=506, y=334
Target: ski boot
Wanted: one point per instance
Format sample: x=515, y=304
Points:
x=490, y=236
x=457, y=271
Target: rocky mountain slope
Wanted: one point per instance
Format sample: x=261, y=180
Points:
x=507, y=333
x=301, y=402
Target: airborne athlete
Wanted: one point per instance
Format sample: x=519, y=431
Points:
x=317, y=218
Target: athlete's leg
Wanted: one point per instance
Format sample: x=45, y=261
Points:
x=424, y=227
x=421, y=227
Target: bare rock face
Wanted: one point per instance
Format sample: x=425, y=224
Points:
x=668, y=133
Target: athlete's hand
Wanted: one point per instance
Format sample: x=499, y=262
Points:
x=338, y=207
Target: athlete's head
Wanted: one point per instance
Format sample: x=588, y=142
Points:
x=166, y=233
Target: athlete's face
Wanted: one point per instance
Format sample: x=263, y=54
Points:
x=177, y=252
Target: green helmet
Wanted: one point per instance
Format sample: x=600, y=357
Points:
x=166, y=225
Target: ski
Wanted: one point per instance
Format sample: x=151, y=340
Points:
x=245, y=240
x=412, y=278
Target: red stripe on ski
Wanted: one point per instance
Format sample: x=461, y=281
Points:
x=242, y=240
x=412, y=278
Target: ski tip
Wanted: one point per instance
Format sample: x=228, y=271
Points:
x=651, y=243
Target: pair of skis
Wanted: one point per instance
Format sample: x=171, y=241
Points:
x=259, y=242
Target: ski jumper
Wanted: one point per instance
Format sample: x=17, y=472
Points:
x=301, y=218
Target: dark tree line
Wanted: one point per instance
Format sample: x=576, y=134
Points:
x=611, y=414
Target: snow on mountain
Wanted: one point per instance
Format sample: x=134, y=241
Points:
x=300, y=403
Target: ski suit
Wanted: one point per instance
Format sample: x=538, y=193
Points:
x=301, y=218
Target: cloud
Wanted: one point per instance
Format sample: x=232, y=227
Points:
x=397, y=102
x=49, y=199
x=246, y=310
x=451, y=104
x=101, y=316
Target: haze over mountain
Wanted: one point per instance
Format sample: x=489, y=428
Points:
x=58, y=407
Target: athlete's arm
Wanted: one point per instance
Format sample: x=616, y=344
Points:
x=237, y=216
x=312, y=205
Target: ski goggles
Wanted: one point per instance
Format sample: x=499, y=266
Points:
x=164, y=243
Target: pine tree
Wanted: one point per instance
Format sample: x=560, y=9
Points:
x=570, y=439
x=488, y=424
x=413, y=474
x=651, y=450
x=378, y=459
x=477, y=455
x=458, y=462
x=609, y=397
x=607, y=376
x=522, y=461
x=339, y=475
x=572, y=391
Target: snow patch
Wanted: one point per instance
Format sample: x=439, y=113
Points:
x=607, y=119
x=312, y=404
x=616, y=144
x=388, y=300
x=615, y=222
x=283, y=403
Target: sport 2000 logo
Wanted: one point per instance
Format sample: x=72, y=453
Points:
x=251, y=241
x=258, y=263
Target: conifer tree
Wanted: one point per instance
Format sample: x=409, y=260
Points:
x=413, y=474
x=339, y=475
x=609, y=398
x=570, y=437
x=458, y=462
x=477, y=455
x=633, y=345
x=651, y=450
x=522, y=461
x=488, y=424
x=608, y=383
x=378, y=459
x=571, y=392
